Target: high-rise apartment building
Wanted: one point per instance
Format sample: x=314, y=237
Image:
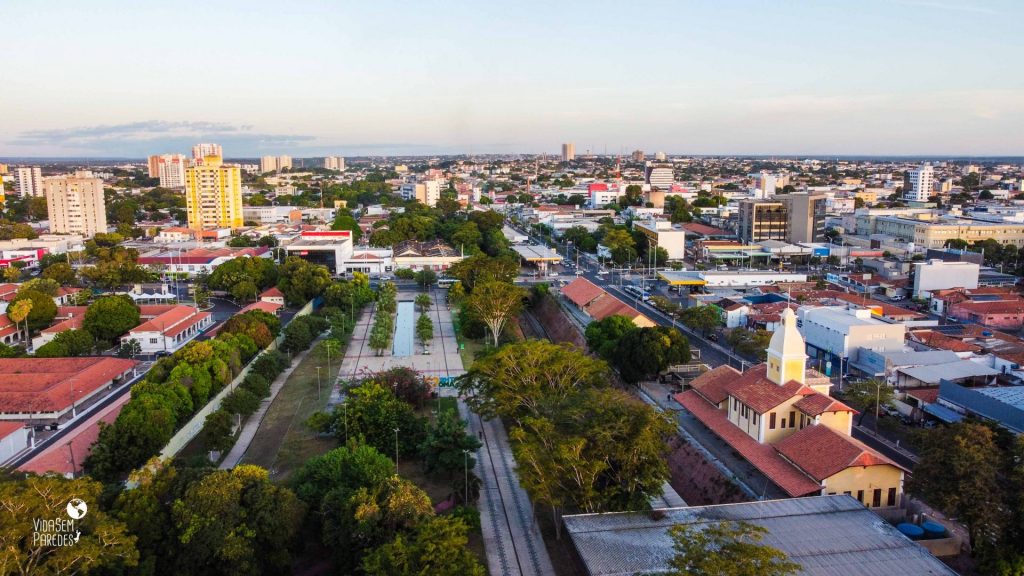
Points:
x=568, y=152
x=201, y=151
x=75, y=204
x=765, y=183
x=638, y=155
x=28, y=181
x=334, y=163
x=660, y=156
x=427, y=192
x=806, y=213
x=761, y=220
x=169, y=168
x=659, y=175
x=917, y=184
x=275, y=163
x=213, y=194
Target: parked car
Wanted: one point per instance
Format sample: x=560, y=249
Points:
x=713, y=337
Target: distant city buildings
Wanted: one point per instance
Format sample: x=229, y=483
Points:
x=28, y=181
x=213, y=194
x=334, y=163
x=638, y=155
x=568, y=152
x=76, y=204
x=660, y=156
x=659, y=175
x=426, y=192
x=918, y=184
x=275, y=163
x=201, y=151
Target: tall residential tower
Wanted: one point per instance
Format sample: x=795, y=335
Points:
x=75, y=204
x=213, y=194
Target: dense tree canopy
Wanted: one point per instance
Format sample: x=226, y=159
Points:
x=645, y=352
x=603, y=335
x=43, y=311
x=726, y=549
x=111, y=316
x=302, y=281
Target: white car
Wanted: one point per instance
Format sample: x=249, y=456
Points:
x=553, y=273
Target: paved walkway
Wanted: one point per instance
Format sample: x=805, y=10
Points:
x=252, y=423
x=511, y=536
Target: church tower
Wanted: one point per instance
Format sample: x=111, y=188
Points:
x=787, y=359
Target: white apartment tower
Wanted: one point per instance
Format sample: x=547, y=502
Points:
x=659, y=175
x=334, y=163
x=568, y=152
x=170, y=169
x=201, y=151
x=917, y=186
x=275, y=163
x=28, y=181
x=75, y=204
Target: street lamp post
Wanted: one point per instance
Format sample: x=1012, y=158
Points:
x=74, y=466
x=318, y=382
x=396, y=447
x=465, y=453
x=878, y=395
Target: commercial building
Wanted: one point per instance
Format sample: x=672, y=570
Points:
x=825, y=535
x=659, y=175
x=938, y=275
x=28, y=181
x=213, y=195
x=287, y=214
x=431, y=255
x=46, y=389
x=76, y=204
x=760, y=220
x=728, y=278
x=196, y=261
x=918, y=184
x=330, y=248
x=169, y=168
x=836, y=333
x=663, y=234
x=779, y=417
x=598, y=304
x=201, y=151
x=568, y=152
x=275, y=163
x=334, y=163
x=925, y=232
x=806, y=213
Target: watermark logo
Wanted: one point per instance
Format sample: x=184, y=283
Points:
x=77, y=509
x=60, y=531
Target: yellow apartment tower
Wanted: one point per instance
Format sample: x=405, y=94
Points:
x=213, y=194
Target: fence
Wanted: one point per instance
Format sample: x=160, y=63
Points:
x=195, y=424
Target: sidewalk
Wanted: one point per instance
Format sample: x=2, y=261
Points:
x=252, y=423
x=511, y=536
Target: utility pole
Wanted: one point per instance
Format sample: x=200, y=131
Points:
x=318, y=382
x=396, y=448
x=74, y=466
x=466, y=454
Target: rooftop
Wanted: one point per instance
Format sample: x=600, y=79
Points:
x=826, y=535
x=821, y=452
x=31, y=385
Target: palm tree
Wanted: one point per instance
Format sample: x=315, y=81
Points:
x=19, y=312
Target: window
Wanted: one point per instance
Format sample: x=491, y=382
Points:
x=153, y=340
x=771, y=421
x=891, y=498
x=847, y=492
x=792, y=419
x=876, y=498
x=860, y=496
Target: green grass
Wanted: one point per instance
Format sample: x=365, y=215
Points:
x=448, y=404
x=283, y=442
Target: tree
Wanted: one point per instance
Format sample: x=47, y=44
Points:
x=423, y=301
x=445, y=445
x=985, y=195
x=110, y=316
x=373, y=412
x=959, y=474
x=101, y=542
x=129, y=348
x=514, y=381
x=67, y=343
x=481, y=268
x=867, y=395
x=426, y=277
x=260, y=272
x=381, y=332
x=494, y=303
x=646, y=352
x=217, y=431
x=343, y=220
x=603, y=335
x=726, y=549
x=621, y=245
x=62, y=273
x=468, y=238
x=956, y=243
x=201, y=295
x=302, y=281
x=424, y=329
x=437, y=547
x=18, y=312
x=43, y=310
x=702, y=318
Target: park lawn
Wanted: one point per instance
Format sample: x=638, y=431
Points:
x=283, y=443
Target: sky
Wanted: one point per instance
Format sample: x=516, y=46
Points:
x=308, y=78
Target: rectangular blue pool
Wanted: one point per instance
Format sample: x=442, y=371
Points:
x=405, y=324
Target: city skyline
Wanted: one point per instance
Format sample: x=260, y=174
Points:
x=909, y=78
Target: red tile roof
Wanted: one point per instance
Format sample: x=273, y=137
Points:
x=817, y=404
x=608, y=305
x=269, y=307
x=940, y=341
x=713, y=384
x=822, y=452
x=761, y=456
x=57, y=457
x=8, y=427
x=173, y=321
x=272, y=292
x=581, y=291
x=73, y=323
x=925, y=395
x=29, y=385
x=754, y=389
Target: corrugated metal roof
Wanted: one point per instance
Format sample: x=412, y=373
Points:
x=826, y=535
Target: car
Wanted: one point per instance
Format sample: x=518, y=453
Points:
x=553, y=273
x=385, y=278
x=713, y=337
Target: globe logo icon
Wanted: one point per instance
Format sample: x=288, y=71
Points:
x=77, y=508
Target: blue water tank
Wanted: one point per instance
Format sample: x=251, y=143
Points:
x=912, y=531
x=933, y=529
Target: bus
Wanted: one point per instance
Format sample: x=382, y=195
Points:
x=635, y=291
x=446, y=282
